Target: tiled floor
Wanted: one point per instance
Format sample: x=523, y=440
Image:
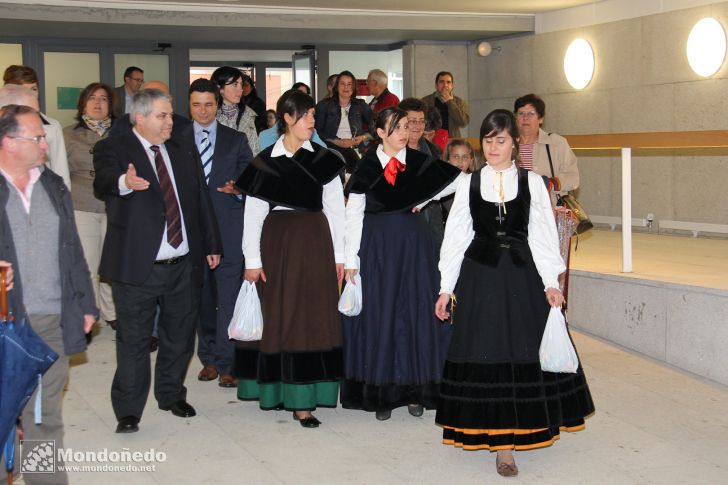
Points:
x=653, y=424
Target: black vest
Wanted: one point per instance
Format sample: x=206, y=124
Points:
x=497, y=230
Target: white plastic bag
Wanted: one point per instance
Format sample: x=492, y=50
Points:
x=557, y=354
x=247, y=322
x=351, y=298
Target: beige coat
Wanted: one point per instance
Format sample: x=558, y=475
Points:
x=564, y=160
x=56, y=149
x=79, y=144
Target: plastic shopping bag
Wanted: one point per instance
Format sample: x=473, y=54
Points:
x=351, y=298
x=557, y=354
x=247, y=322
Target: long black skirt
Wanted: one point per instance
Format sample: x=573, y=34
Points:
x=494, y=394
x=394, y=351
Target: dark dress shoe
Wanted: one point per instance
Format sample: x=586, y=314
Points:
x=384, y=415
x=208, y=373
x=180, y=408
x=308, y=421
x=227, y=380
x=112, y=324
x=128, y=424
x=153, y=344
x=416, y=410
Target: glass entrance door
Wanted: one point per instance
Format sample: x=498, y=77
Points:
x=304, y=69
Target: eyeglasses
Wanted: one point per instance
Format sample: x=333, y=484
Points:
x=139, y=80
x=526, y=114
x=35, y=139
x=413, y=121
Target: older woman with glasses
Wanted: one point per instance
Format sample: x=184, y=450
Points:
x=544, y=153
x=547, y=154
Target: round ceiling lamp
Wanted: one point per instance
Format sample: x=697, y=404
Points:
x=579, y=64
x=706, y=47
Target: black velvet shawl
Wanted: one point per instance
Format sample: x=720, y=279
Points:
x=295, y=182
x=423, y=178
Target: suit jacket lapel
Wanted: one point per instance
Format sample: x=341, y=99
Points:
x=221, y=143
x=141, y=162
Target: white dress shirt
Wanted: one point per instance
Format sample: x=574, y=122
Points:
x=543, y=239
x=256, y=210
x=166, y=251
x=357, y=203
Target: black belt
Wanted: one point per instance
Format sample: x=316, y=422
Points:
x=174, y=260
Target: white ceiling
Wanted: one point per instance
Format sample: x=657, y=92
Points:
x=461, y=6
x=277, y=24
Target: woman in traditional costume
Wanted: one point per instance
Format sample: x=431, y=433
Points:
x=293, y=243
x=502, y=250
x=395, y=348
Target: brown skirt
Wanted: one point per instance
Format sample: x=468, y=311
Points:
x=301, y=323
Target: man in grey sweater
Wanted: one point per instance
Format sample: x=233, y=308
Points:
x=52, y=282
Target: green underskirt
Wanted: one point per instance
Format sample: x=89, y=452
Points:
x=280, y=395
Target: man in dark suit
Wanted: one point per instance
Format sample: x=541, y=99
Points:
x=133, y=80
x=161, y=229
x=224, y=154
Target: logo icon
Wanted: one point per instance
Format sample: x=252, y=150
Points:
x=38, y=456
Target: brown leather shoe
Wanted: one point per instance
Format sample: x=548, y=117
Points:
x=506, y=469
x=208, y=373
x=226, y=380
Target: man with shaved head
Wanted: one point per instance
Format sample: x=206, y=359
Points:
x=122, y=125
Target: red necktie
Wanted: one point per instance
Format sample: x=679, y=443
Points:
x=390, y=171
x=171, y=208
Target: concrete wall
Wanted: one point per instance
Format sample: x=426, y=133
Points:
x=642, y=82
x=678, y=324
x=422, y=61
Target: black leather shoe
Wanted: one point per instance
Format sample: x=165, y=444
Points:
x=416, y=410
x=384, y=415
x=307, y=422
x=128, y=424
x=112, y=324
x=153, y=344
x=180, y=408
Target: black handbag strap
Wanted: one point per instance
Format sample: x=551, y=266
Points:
x=551, y=164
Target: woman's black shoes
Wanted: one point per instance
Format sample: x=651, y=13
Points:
x=416, y=410
x=308, y=421
x=384, y=415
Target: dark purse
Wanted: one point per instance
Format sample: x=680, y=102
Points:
x=570, y=202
